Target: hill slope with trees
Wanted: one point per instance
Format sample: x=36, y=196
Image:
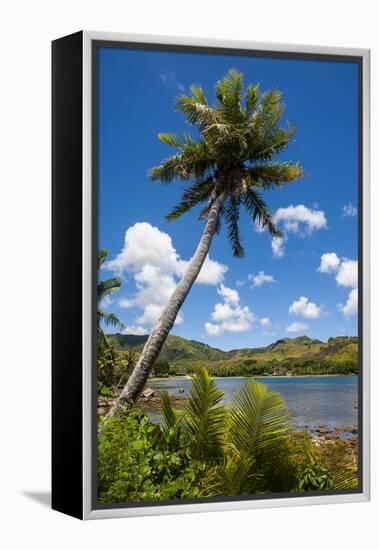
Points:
x=296, y=356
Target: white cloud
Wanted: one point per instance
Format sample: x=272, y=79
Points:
x=346, y=270
x=240, y=282
x=277, y=245
x=346, y=274
x=229, y=316
x=329, y=263
x=260, y=279
x=351, y=306
x=213, y=330
x=212, y=272
x=133, y=329
x=297, y=327
x=265, y=322
x=149, y=256
x=300, y=218
x=230, y=295
x=349, y=210
x=145, y=245
x=304, y=308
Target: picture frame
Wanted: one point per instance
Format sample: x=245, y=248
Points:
x=76, y=206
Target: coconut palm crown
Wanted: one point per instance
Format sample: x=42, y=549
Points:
x=239, y=137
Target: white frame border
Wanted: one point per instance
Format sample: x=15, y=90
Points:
x=88, y=512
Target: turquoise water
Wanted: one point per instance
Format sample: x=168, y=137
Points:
x=313, y=400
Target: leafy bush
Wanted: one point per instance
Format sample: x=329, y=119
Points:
x=135, y=463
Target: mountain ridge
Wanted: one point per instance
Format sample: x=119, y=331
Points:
x=302, y=354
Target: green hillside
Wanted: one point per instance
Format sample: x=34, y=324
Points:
x=301, y=355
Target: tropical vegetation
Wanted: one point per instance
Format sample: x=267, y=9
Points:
x=211, y=450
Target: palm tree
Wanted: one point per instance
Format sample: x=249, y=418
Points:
x=229, y=165
x=104, y=289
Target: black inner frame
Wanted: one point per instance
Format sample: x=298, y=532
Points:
x=358, y=60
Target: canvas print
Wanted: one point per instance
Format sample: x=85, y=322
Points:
x=228, y=310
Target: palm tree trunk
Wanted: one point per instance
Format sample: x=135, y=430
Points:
x=165, y=323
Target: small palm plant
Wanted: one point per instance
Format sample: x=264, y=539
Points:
x=226, y=168
x=248, y=448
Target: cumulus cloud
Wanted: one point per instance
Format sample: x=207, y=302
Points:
x=298, y=220
x=297, y=327
x=265, y=322
x=304, y=308
x=349, y=210
x=229, y=295
x=212, y=330
x=229, y=316
x=329, y=263
x=149, y=256
x=346, y=275
x=351, y=306
x=261, y=278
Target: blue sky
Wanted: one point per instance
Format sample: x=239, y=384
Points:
x=304, y=285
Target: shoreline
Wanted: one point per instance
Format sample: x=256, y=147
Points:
x=188, y=377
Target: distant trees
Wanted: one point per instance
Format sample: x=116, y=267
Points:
x=320, y=364
x=161, y=368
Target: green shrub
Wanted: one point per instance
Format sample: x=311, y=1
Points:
x=315, y=478
x=135, y=463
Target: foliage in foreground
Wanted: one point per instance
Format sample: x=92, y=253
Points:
x=136, y=461
x=210, y=450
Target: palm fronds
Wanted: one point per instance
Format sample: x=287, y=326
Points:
x=104, y=289
x=234, y=476
x=110, y=319
x=231, y=216
x=260, y=428
x=273, y=174
x=259, y=420
x=346, y=477
x=204, y=419
x=196, y=193
x=259, y=211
